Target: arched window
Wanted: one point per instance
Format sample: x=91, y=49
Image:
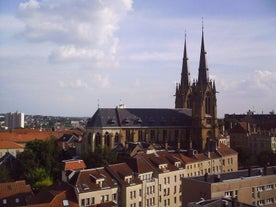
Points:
x=208, y=103
x=117, y=137
x=98, y=140
x=165, y=135
x=152, y=135
x=107, y=139
x=140, y=135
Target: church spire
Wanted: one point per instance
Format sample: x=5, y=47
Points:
x=185, y=74
x=203, y=76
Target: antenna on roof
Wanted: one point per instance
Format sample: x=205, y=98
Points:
x=98, y=100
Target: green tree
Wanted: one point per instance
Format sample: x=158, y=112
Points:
x=266, y=158
x=244, y=156
x=100, y=157
x=5, y=175
x=39, y=177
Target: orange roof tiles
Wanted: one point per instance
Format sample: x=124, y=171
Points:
x=14, y=188
x=224, y=150
x=26, y=135
x=54, y=196
x=10, y=145
x=73, y=165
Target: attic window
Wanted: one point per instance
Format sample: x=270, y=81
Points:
x=126, y=121
x=84, y=186
x=111, y=121
x=65, y=203
x=139, y=120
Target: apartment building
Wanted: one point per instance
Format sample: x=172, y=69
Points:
x=15, y=120
x=94, y=186
x=130, y=185
x=254, y=187
x=168, y=170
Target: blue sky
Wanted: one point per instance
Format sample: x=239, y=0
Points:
x=67, y=57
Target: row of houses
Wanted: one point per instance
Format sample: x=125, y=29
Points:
x=149, y=178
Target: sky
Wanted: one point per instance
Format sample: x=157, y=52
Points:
x=69, y=57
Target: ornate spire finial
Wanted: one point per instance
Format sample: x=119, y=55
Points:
x=202, y=24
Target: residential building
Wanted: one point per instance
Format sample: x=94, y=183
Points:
x=94, y=186
x=59, y=195
x=15, y=120
x=130, y=186
x=69, y=167
x=223, y=159
x=168, y=170
x=257, y=132
x=15, y=194
x=253, y=186
x=10, y=147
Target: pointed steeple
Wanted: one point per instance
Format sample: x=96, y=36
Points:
x=185, y=74
x=203, y=76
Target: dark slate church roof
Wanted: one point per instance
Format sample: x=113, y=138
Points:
x=140, y=117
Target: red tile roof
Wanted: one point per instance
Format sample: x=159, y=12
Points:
x=73, y=165
x=85, y=180
x=224, y=150
x=26, y=135
x=10, y=145
x=121, y=170
x=15, y=190
x=54, y=196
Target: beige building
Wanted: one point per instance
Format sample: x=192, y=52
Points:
x=130, y=185
x=94, y=186
x=255, y=187
x=10, y=147
x=223, y=159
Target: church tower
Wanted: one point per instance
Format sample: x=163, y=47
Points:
x=201, y=98
x=183, y=94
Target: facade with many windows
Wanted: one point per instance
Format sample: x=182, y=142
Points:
x=254, y=187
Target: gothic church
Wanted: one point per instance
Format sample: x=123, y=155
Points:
x=192, y=124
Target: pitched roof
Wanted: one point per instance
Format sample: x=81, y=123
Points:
x=86, y=180
x=162, y=157
x=224, y=150
x=26, y=135
x=10, y=145
x=120, y=171
x=57, y=195
x=139, y=117
x=73, y=165
x=14, y=188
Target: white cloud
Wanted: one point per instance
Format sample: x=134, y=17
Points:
x=79, y=29
x=103, y=81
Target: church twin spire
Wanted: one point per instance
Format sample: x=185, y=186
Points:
x=203, y=76
x=185, y=74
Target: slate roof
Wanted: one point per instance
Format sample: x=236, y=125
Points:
x=131, y=117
